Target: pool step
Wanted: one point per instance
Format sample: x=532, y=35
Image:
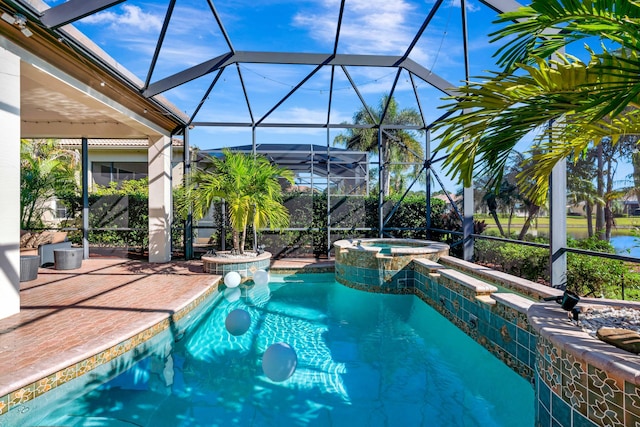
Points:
x=430, y=265
x=486, y=299
x=476, y=285
x=518, y=284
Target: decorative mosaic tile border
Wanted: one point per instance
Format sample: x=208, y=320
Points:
x=573, y=392
x=19, y=397
x=303, y=270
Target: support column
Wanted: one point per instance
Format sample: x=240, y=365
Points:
x=467, y=192
x=558, y=224
x=381, y=172
x=467, y=223
x=85, y=198
x=160, y=207
x=186, y=177
x=427, y=193
x=10, y=177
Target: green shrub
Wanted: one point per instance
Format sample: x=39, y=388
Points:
x=586, y=275
x=528, y=262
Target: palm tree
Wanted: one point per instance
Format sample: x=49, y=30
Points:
x=398, y=146
x=581, y=187
x=46, y=171
x=538, y=86
x=250, y=187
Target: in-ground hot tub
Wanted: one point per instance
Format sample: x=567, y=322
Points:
x=382, y=265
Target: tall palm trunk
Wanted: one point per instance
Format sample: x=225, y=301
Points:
x=532, y=212
x=608, y=212
x=600, y=188
x=588, y=209
x=243, y=238
x=236, y=241
x=635, y=162
x=494, y=214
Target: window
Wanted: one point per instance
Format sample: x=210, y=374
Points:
x=107, y=172
x=61, y=211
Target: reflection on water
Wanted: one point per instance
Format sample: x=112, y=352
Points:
x=623, y=244
x=626, y=245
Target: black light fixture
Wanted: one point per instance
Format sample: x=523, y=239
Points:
x=568, y=301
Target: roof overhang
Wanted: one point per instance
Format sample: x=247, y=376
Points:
x=66, y=93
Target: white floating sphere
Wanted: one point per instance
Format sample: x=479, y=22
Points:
x=237, y=322
x=279, y=362
x=232, y=294
x=232, y=279
x=261, y=277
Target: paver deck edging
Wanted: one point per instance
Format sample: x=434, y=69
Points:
x=178, y=321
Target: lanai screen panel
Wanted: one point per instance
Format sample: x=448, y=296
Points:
x=315, y=166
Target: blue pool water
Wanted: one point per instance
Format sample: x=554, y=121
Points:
x=363, y=360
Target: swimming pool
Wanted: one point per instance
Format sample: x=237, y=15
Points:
x=363, y=360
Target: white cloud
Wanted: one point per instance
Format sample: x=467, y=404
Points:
x=131, y=18
x=298, y=115
x=369, y=26
x=470, y=6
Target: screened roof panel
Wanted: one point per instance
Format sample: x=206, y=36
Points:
x=299, y=158
x=275, y=45
x=128, y=32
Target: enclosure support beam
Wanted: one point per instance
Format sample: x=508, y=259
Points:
x=85, y=198
x=427, y=156
x=10, y=175
x=468, y=202
x=380, y=184
x=188, y=223
x=558, y=225
x=328, y=222
x=467, y=223
x=160, y=199
x=73, y=10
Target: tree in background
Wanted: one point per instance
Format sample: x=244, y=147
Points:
x=398, y=146
x=580, y=185
x=586, y=101
x=511, y=195
x=47, y=171
x=250, y=187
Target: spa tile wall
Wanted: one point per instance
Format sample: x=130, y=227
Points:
x=501, y=329
x=395, y=280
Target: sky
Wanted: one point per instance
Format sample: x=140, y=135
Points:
x=128, y=32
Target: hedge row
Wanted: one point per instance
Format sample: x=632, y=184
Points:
x=586, y=275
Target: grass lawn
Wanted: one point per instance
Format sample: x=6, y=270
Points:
x=624, y=225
